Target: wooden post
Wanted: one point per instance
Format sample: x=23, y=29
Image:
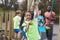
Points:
x=28, y=5
x=10, y=25
x=11, y=34
x=1, y=20
x=6, y=25
x=59, y=27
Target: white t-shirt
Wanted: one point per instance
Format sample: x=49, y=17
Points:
x=16, y=21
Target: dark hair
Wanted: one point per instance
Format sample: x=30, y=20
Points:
x=41, y=12
x=22, y=19
x=32, y=14
x=28, y=11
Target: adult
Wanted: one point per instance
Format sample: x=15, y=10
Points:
x=49, y=21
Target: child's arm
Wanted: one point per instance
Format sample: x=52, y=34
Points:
x=27, y=27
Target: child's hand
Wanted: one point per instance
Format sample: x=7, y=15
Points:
x=30, y=22
x=27, y=27
x=38, y=20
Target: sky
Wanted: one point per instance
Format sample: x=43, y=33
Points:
x=20, y=0
x=0, y=2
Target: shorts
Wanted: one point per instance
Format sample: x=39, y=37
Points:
x=24, y=34
x=16, y=30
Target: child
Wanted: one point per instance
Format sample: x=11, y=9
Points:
x=22, y=26
x=16, y=21
x=41, y=27
x=30, y=28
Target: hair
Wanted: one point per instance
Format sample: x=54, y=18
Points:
x=27, y=12
x=22, y=18
x=18, y=12
x=41, y=12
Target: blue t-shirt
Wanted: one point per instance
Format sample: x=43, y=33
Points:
x=41, y=28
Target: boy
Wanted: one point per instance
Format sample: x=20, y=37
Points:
x=41, y=27
x=16, y=21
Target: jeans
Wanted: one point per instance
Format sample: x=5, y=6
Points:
x=49, y=32
x=43, y=35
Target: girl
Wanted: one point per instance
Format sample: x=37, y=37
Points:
x=30, y=28
x=22, y=25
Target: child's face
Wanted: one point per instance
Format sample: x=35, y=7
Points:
x=28, y=15
x=19, y=14
x=39, y=11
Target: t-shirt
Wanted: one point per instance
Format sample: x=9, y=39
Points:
x=16, y=21
x=32, y=33
x=47, y=15
x=41, y=28
x=41, y=19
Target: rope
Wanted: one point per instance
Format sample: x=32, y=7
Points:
x=51, y=9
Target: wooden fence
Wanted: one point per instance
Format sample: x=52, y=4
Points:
x=6, y=28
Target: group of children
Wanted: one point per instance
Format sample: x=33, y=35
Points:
x=27, y=28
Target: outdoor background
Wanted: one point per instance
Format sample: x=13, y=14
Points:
x=8, y=8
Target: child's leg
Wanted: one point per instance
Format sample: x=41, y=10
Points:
x=41, y=35
x=16, y=36
x=19, y=35
x=22, y=38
